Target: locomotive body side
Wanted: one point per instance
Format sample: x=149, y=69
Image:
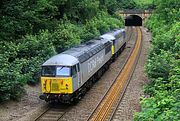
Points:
x=92, y=65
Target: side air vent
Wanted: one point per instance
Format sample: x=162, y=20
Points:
x=89, y=43
x=98, y=38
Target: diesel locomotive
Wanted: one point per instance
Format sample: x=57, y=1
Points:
x=66, y=77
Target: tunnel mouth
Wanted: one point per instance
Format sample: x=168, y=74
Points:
x=133, y=20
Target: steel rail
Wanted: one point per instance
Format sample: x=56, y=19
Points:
x=104, y=108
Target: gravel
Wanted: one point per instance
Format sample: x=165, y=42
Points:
x=14, y=110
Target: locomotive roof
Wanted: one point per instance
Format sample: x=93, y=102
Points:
x=108, y=36
x=79, y=53
x=116, y=31
x=113, y=34
x=61, y=59
x=84, y=51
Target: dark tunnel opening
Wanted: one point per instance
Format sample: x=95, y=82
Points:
x=133, y=20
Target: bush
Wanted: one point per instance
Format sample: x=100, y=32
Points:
x=65, y=36
x=100, y=24
x=12, y=80
x=159, y=65
x=21, y=63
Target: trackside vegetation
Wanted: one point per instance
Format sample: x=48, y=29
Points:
x=31, y=31
x=163, y=65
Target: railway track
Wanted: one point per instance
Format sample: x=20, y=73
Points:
x=53, y=113
x=58, y=112
x=109, y=103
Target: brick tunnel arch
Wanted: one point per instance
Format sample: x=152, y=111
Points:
x=133, y=20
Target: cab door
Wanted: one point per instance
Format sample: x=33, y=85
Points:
x=113, y=47
x=74, y=78
x=79, y=75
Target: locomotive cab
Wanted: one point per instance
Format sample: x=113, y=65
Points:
x=59, y=80
x=117, y=36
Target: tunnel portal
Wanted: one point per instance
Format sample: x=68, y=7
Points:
x=133, y=20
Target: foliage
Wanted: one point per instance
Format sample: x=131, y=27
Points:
x=159, y=65
x=145, y=4
x=77, y=10
x=100, y=24
x=23, y=17
x=126, y=4
x=112, y=6
x=163, y=65
x=65, y=36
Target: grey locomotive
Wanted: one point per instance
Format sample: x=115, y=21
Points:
x=66, y=77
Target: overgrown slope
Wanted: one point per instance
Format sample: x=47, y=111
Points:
x=163, y=65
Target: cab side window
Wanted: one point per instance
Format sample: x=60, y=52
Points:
x=78, y=67
x=74, y=70
x=108, y=49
